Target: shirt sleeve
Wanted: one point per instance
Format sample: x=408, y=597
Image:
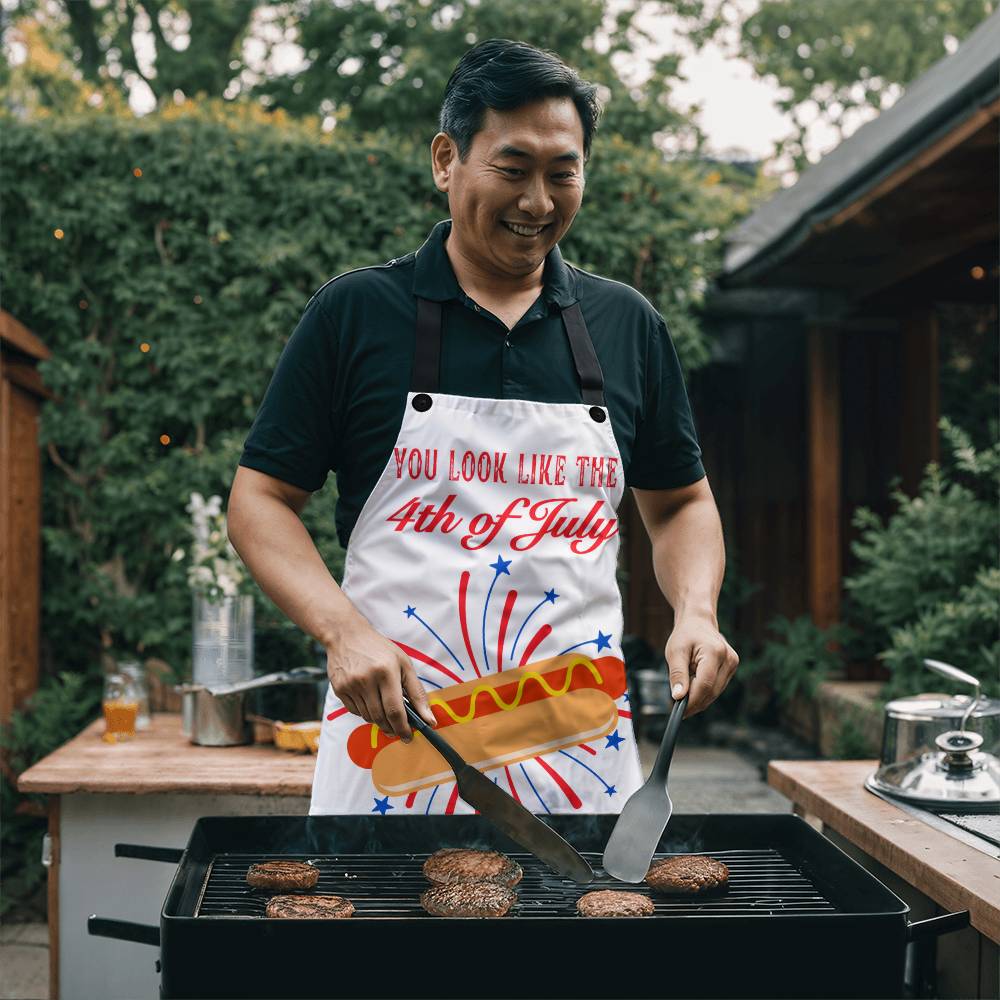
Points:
x=666, y=454
x=294, y=433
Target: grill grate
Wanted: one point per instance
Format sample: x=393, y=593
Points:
x=761, y=882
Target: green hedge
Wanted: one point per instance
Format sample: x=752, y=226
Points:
x=202, y=232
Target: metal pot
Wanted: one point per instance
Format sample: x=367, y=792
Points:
x=215, y=715
x=940, y=749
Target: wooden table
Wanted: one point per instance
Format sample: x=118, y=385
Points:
x=149, y=790
x=947, y=874
x=163, y=759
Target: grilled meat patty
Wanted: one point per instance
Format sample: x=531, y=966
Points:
x=283, y=876
x=309, y=907
x=468, y=899
x=614, y=903
x=459, y=864
x=687, y=874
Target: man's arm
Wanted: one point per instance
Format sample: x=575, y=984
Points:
x=367, y=671
x=689, y=561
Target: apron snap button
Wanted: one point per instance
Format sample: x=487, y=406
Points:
x=422, y=402
x=598, y=414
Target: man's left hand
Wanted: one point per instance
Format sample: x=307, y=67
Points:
x=699, y=656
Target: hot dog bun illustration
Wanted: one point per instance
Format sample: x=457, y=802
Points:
x=500, y=719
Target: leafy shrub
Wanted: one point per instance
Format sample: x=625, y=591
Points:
x=52, y=715
x=963, y=632
x=928, y=585
x=799, y=659
x=850, y=743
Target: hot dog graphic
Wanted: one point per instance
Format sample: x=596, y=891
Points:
x=500, y=719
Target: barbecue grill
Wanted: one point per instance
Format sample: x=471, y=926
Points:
x=799, y=918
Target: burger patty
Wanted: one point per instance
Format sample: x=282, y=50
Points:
x=688, y=874
x=283, y=875
x=468, y=899
x=309, y=907
x=458, y=864
x=614, y=903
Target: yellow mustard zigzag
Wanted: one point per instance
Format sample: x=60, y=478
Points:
x=500, y=703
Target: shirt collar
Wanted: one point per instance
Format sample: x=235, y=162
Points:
x=434, y=278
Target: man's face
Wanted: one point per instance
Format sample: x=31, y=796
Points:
x=520, y=187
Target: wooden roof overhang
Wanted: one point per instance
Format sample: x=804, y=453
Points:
x=909, y=197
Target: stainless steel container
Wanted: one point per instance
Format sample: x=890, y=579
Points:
x=215, y=715
x=941, y=750
x=219, y=721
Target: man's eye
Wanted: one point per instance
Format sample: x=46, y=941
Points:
x=511, y=170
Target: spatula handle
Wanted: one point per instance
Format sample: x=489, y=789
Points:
x=662, y=763
x=439, y=743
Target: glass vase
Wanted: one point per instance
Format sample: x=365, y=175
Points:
x=222, y=640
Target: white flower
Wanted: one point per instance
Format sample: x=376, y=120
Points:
x=178, y=555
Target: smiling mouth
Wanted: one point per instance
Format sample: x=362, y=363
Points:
x=529, y=232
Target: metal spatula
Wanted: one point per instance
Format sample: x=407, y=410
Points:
x=505, y=812
x=644, y=818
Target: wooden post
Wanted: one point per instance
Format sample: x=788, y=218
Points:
x=824, y=488
x=920, y=396
x=21, y=393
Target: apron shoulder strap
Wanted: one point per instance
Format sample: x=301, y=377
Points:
x=588, y=368
x=426, y=373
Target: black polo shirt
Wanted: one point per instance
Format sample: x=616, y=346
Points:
x=337, y=396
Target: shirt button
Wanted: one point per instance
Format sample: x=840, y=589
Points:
x=474, y=306
x=506, y=343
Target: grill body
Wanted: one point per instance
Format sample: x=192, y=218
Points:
x=800, y=918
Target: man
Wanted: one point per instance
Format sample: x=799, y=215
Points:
x=484, y=406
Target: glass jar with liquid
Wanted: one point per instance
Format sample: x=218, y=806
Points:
x=121, y=708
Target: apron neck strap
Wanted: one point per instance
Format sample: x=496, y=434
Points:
x=427, y=354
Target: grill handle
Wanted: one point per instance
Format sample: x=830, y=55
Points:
x=935, y=926
x=144, y=853
x=123, y=930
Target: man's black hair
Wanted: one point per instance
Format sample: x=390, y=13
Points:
x=503, y=75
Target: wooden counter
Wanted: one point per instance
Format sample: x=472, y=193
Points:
x=954, y=875
x=162, y=759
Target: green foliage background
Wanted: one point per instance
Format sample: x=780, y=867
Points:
x=209, y=257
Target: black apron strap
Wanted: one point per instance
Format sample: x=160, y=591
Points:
x=588, y=368
x=426, y=373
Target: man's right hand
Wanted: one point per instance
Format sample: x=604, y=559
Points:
x=369, y=675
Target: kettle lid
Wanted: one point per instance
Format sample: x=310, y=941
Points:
x=937, y=705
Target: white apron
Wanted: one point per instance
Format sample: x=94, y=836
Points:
x=487, y=552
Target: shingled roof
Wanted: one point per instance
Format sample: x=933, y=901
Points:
x=952, y=90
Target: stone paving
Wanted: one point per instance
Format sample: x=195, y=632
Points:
x=24, y=959
x=703, y=779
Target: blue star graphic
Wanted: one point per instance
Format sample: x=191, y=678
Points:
x=501, y=565
x=625, y=696
x=610, y=790
x=614, y=740
x=382, y=806
x=603, y=641
x=410, y=611
x=550, y=596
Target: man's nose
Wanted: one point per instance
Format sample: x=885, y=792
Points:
x=535, y=199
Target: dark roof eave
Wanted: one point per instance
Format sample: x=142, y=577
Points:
x=786, y=225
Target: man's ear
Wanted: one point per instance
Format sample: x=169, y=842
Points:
x=444, y=153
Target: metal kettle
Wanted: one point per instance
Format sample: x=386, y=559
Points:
x=941, y=750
